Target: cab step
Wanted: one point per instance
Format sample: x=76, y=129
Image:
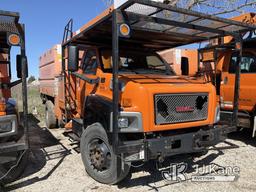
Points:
x=77, y=126
x=72, y=137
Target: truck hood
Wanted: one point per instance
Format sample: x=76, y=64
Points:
x=142, y=89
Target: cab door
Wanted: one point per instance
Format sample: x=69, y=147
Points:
x=87, y=79
x=247, y=82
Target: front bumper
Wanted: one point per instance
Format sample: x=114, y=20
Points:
x=9, y=150
x=14, y=140
x=14, y=146
x=173, y=145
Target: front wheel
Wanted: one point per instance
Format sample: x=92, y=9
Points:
x=98, y=157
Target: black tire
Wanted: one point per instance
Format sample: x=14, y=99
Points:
x=17, y=171
x=117, y=170
x=50, y=118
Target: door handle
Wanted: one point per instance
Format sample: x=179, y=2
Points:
x=87, y=79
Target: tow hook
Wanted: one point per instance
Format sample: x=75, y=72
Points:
x=159, y=162
x=197, y=143
x=160, y=159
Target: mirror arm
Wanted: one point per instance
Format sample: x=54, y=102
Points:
x=89, y=80
x=12, y=84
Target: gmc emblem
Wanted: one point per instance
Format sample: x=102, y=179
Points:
x=185, y=109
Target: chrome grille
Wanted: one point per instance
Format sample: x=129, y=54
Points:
x=179, y=108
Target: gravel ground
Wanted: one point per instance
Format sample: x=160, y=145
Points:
x=55, y=165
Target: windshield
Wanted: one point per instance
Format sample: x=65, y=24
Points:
x=136, y=62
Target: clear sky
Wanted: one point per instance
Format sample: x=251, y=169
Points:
x=45, y=21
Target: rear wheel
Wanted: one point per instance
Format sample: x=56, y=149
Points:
x=98, y=157
x=50, y=118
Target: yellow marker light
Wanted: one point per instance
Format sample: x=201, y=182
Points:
x=14, y=39
x=125, y=30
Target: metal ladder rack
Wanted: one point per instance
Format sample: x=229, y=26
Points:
x=68, y=34
x=68, y=31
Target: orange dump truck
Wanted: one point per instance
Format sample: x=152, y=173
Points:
x=49, y=72
x=13, y=125
x=121, y=99
x=50, y=69
x=224, y=74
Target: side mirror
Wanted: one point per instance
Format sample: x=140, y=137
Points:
x=72, y=58
x=184, y=66
x=21, y=61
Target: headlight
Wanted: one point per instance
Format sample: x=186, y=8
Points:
x=8, y=125
x=128, y=122
x=123, y=122
x=5, y=127
x=217, y=114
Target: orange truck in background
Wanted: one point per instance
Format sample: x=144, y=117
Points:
x=13, y=124
x=123, y=102
x=223, y=75
x=49, y=73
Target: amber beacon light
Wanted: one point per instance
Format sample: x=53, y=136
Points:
x=125, y=30
x=14, y=39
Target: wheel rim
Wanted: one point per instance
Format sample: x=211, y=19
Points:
x=99, y=155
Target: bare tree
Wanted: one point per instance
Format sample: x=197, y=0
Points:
x=215, y=7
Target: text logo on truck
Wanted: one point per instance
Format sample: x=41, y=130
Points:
x=184, y=109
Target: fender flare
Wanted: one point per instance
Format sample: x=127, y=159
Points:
x=97, y=109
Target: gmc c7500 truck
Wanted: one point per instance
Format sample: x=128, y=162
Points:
x=108, y=85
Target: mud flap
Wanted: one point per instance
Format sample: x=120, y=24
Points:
x=254, y=127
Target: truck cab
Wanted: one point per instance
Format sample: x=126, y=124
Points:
x=147, y=83
x=247, y=100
